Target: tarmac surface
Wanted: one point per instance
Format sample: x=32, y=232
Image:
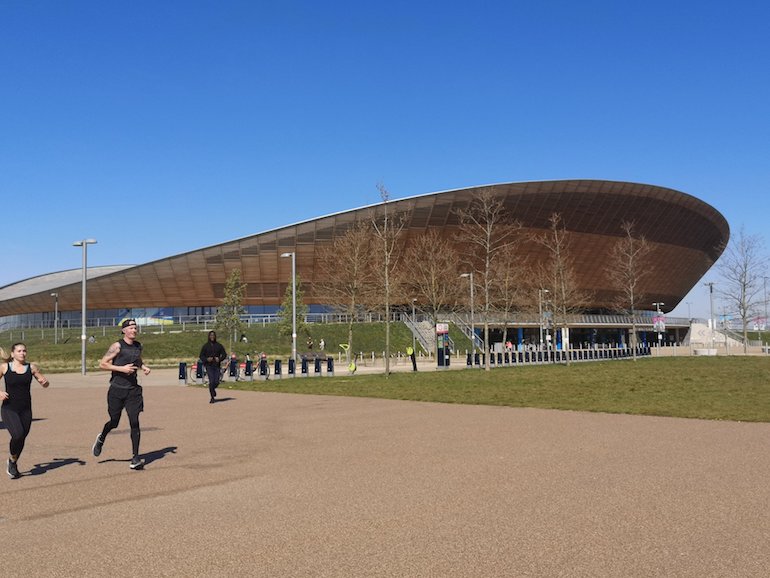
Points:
x=271, y=484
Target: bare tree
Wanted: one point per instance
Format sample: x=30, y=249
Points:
x=387, y=230
x=558, y=276
x=432, y=280
x=627, y=268
x=510, y=287
x=741, y=267
x=347, y=263
x=487, y=231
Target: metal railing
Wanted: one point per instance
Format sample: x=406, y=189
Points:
x=460, y=320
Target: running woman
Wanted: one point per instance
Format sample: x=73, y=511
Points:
x=16, y=410
x=124, y=360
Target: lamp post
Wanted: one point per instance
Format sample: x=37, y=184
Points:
x=540, y=309
x=469, y=276
x=710, y=285
x=293, y=256
x=84, y=243
x=764, y=279
x=414, y=328
x=658, y=305
x=55, y=317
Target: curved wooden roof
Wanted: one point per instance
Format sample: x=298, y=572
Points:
x=688, y=236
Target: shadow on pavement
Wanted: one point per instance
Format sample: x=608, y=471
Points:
x=54, y=464
x=158, y=454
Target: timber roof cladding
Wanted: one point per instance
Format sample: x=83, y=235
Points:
x=688, y=236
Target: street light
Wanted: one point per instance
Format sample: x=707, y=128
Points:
x=710, y=285
x=414, y=328
x=293, y=256
x=658, y=305
x=469, y=276
x=84, y=243
x=540, y=309
x=55, y=317
x=764, y=279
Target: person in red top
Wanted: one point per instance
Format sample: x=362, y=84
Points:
x=16, y=410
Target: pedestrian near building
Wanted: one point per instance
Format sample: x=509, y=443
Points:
x=212, y=355
x=16, y=410
x=124, y=360
x=410, y=352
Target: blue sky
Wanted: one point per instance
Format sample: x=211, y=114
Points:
x=161, y=127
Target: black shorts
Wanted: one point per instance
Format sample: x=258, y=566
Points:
x=119, y=398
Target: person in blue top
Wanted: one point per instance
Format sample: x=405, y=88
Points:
x=124, y=360
x=16, y=410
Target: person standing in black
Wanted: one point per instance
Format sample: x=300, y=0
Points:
x=411, y=354
x=16, y=410
x=212, y=354
x=124, y=360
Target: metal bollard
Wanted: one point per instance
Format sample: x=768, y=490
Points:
x=330, y=366
x=277, y=369
x=233, y=372
x=317, y=367
x=182, y=373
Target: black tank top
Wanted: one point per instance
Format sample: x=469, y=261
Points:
x=17, y=386
x=129, y=354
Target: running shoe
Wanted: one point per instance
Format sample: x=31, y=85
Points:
x=137, y=463
x=13, y=470
x=97, y=449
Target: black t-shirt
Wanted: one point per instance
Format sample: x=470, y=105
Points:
x=215, y=350
x=129, y=354
x=18, y=387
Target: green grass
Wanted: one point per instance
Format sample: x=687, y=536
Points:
x=727, y=388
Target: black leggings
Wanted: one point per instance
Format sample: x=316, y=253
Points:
x=18, y=421
x=133, y=422
x=133, y=402
x=213, y=372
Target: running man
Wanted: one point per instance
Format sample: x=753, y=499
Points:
x=16, y=410
x=124, y=360
x=213, y=354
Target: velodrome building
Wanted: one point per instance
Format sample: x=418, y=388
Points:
x=687, y=236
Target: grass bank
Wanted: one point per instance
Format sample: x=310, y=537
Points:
x=174, y=344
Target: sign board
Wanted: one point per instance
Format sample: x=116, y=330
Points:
x=442, y=328
x=659, y=323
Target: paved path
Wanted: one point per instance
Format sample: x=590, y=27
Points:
x=267, y=484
